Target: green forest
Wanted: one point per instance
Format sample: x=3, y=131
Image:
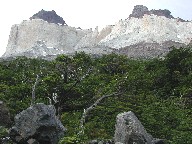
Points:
x=158, y=91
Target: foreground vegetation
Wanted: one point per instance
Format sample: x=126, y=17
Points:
x=158, y=91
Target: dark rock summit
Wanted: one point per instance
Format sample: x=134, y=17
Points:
x=160, y=12
x=37, y=123
x=49, y=16
x=139, y=11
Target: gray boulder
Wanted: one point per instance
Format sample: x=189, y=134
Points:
x=129, y=130
x=39, y=123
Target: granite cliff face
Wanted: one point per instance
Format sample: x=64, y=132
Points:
x=26, y=35
x=144, y=34
x=150, y=28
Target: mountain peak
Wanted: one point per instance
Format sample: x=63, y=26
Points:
x=139, y=11
x=49, y=16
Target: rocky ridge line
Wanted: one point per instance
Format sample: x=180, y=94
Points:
x=148, y=32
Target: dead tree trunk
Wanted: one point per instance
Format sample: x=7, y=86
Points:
x=33, y=90
x=86, y=111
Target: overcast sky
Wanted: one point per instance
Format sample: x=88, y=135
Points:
x=82, y=13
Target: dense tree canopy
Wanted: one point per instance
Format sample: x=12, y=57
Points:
x=158, y=91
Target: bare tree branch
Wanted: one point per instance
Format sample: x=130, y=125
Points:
x=86, y=111
x=33, y=90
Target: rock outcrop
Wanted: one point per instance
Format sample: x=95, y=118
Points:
x=129, y=130
x=49, y=16
x=37, y=123
x=139, y=11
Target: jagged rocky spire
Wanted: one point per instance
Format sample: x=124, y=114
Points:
x=139, y=11
x=49, y=16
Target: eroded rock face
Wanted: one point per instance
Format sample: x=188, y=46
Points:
x=145, y=50
x=39, y=123
x=149, y=29
x=49, y=16
x=129, y=130
x=25, y=36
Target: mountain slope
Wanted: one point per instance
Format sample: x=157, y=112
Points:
x=144, y=34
